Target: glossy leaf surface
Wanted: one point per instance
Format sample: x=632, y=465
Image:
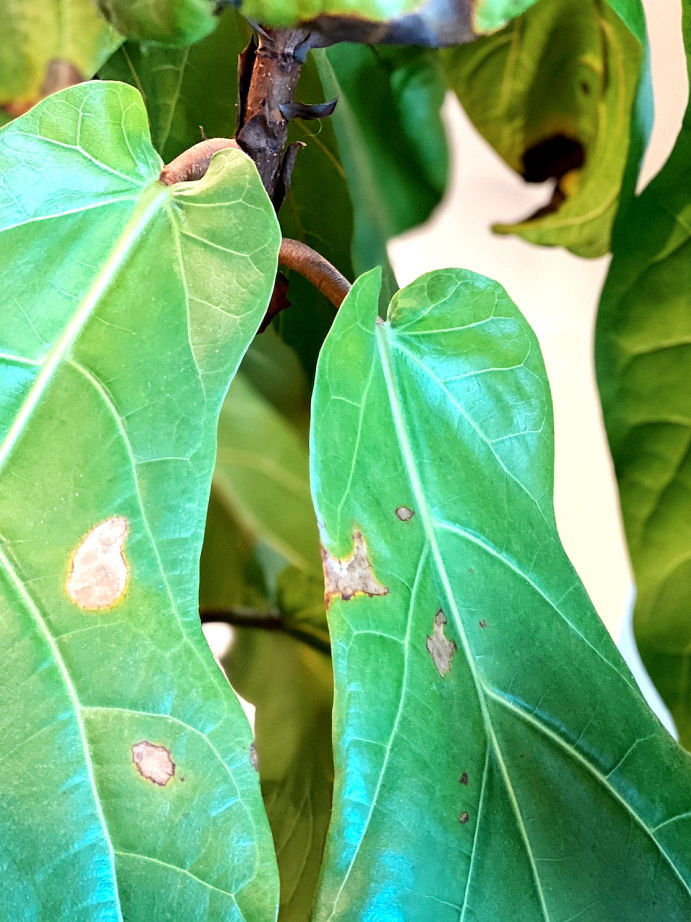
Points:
x=643, y=367
x=553, y=93
x=128, y=791
x=171, y=22
x=494, y=758
x=47, y=45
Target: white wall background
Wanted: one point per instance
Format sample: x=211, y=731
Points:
x=558, y=293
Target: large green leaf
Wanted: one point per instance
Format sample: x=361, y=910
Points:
x=127, y=789
x=553, y=93
x=186, y=90
x=494, y=758
x=171, y=22
x=643, y=366
x=46, y=45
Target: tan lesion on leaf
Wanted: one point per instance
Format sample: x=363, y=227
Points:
x=98, y=569
x=346, y=577
x=439, y=647
x=153, y=762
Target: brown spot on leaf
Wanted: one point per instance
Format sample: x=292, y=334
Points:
x=483, y=624
x=464, y=778
x=439, y=648
x=98, y=572
x=404, y=514
x=464, y=819
x=352, y=575
x=254, y=759
x=153, y=762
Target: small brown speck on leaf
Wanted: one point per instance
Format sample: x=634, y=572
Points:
x=464, y=778
x=404, y=514
x=153, y=762
x=482, y=624
x=352, y=575
x=464, y=819
x=439, y=648
x=98, y=572
x=254, y=760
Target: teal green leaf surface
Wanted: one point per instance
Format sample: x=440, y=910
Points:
x=186, y=90
x=171, y=22
x=554, y=94
x=47, y=45
x=128, y=790
x=494, y=758
x=643, y=361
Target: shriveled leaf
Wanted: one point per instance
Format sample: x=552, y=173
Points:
x=553, y=93
x=494, y=758
x=171, y=22
x=128, y=791
x=291, y=685
x=643, y=357
x=186, y=90
x=48, y=45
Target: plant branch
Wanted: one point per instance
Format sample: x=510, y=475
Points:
x=317, y=270
x=263, y=620
x=192, y=164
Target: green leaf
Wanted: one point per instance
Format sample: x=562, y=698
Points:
x=643, y=364
x=494, y=758
x=553, y=93
x=262, y=519
x=289, y=12
x=262, y=476
x=185, y=89
x=47, y=44
x=391, y=140
x=291, y=686
x=318, y=212
x=127, y=306
x=171, y=22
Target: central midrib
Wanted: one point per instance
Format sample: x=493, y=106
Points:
x=148, y=205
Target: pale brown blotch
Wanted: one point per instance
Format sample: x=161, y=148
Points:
x=98, y=570
x=439, y=648
x=153, y=762
x=345, y=577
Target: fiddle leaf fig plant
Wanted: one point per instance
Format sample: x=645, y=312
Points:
x=218, y=406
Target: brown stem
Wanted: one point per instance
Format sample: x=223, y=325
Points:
x=317, y=270
x=263, y=620
x=192, y=164
x=275, y=64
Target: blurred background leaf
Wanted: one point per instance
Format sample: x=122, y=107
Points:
x=553, y=93
x=48, y=45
